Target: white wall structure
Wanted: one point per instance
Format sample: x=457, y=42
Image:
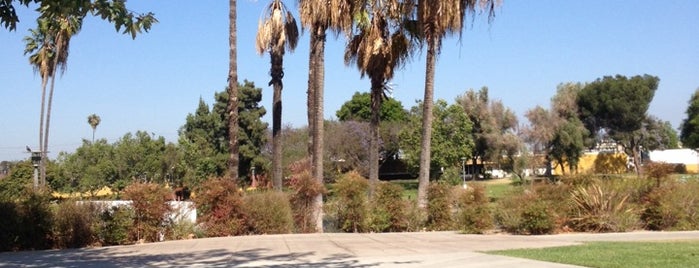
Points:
x=181, y=210
x=688, y=157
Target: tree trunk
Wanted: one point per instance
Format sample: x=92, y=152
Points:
x=233, y=161
x=277, y=73
x=376, y=95
x=426, y=143
x=318, y=53
x=44, y=81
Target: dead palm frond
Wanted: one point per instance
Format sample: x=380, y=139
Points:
x=277, y=30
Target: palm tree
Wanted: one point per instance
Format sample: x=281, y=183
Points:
x=277, y=31
x=94, y=121
x=379, y=47
x=318, y=16
x=233, y=160
x=50, y=42
x=435, y=20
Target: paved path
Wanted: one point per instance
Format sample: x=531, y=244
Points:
x=423, y=249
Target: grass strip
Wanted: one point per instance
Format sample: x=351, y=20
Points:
x=616, y=254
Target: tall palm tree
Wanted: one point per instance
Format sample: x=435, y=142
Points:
x=94, y=121
x=277, y=31
x=233, y=160
x=378, y=48
x=318, y=16
x=435, y=20
x=51, y=43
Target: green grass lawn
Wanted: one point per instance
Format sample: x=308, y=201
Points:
x=616, y=254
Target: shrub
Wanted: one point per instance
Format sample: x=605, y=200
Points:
x=114, y=225
x=35, y=221
x=526, y=213
x=601, y=209
x=149, y=202
x=9, y=226
x=473, y=211
x=349, y=196
x=452, y=176
x=388, y=209
x=673, y=206
x=306, y=191
x=73, y=225
x=416, y=216
x=220, y=208
x=438, y=207
x=658, y=171
x=268, y=212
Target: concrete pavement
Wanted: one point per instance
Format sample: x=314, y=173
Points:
x=421, y=249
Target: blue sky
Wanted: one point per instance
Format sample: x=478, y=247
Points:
x=153, y=82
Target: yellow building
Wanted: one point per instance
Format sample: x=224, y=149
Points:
x=597, y=163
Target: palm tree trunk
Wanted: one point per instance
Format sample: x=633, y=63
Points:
x=426, y=143
x=44, y=81
x=44, y=151
x=311, y=95
x=318, y=50
x=376, y=95
x=277, y=73
x=233, y=161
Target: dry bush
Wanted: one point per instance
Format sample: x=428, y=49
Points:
x=306, y=190
x=472, y=210
x=73, y=225
x=268, y=212
x=439, y=212
x=149, y=202
x=220, y=207
x=672, y=206
x=388, y=212
x=526, y=212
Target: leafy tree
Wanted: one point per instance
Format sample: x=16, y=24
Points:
x=689, y=133
x=276, y=32
x=451, y=141
x=377, y=49
x=654, y=134
x=343, y=143
x=436, y=19
x=88, y=169
x=558, y=133
x=359, y=109
x=204, y=136
x=617, y=105
x=493, y=127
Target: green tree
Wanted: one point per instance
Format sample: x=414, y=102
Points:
x=204, y=137
x=276, y=32
x=359, y=109
x=493, y=127
x=689, y=130
x=88, y=169
x=94, y=121
x=378, y=48
x=617, y=105
x=451, y=141
x=558, y=133
x=436, y=19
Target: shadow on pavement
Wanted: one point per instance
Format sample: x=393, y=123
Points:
x=122, y=258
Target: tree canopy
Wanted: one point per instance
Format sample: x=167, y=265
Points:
x=359, y=109
x=689, y=134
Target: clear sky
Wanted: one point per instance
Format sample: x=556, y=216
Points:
x=153, y=82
